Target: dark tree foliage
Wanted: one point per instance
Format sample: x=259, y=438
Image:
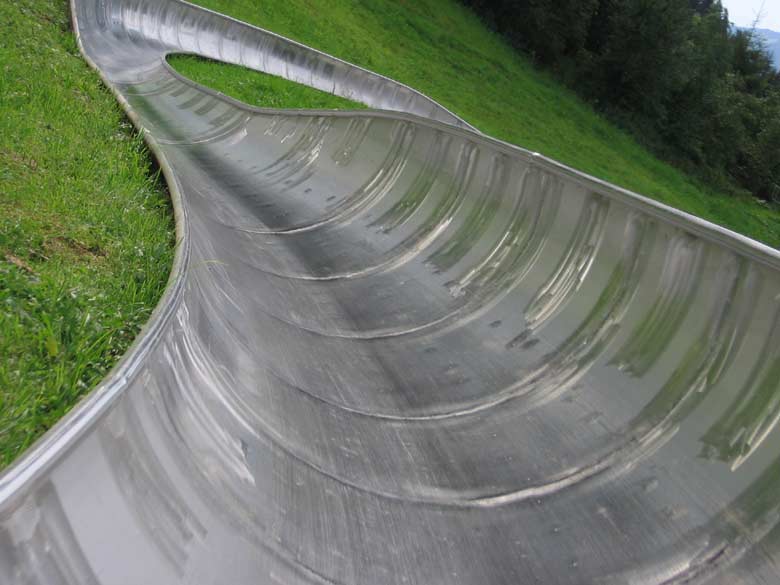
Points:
x=699, y=92
x=701, y=6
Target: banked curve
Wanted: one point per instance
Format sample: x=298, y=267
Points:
x=395, y=350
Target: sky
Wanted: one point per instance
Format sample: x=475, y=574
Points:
x=743, y=12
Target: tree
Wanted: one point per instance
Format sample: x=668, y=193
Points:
x=700, y=93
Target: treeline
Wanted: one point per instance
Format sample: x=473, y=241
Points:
x=690, y=86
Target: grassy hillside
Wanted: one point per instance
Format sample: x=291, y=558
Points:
x=86, y=232
x=440, y=48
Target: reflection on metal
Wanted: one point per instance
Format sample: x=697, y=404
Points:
x=394, y=350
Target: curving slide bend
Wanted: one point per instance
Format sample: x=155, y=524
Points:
x=396, y=351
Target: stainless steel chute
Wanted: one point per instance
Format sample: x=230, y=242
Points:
x=394, y=350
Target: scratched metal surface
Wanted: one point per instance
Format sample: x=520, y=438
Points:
x=396, y=351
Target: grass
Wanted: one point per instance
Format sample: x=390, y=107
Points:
x=268, y=91
x=442, y=49
x=86, y=232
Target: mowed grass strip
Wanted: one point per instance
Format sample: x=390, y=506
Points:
x=86, y=230
x=442, y=49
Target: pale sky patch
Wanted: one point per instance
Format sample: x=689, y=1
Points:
x=744, y=12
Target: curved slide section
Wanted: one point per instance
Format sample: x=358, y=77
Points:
x=395, y=351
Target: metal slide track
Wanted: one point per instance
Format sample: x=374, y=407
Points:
x=396, y=351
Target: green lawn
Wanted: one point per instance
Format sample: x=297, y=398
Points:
x=86, y=233
x=440, y=48
x=255, y=88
